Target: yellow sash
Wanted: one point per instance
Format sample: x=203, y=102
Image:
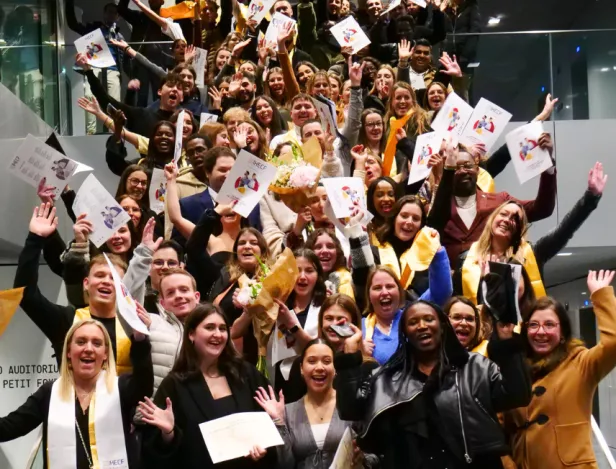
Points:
x=415, y=259
x=369, y=325
x=485, y=182
x=346, y=282
x=123, y=343
x=471, y=272
x=390, y=148
x=482, y=348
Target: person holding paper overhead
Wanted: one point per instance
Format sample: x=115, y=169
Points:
x=55, y=320
x=553, y=430
x=316, y=39
x=69, y=407
x=460, y=209
x=433, y=404
x=208, y=381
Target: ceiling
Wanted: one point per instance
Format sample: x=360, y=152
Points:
x=564, y=269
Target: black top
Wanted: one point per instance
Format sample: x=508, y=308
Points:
x=132, y=386
x=193, y=404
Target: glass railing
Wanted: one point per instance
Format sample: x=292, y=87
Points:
x=514, y=70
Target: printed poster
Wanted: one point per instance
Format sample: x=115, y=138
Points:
x=179, y=136
x=349, y=33
x=278, y=23
x=246, y=183
x=486, y=124
x=103, y=211
x=94, y=46
x=327, y=114
x=127, y=307
x=158, y=190
x=426, y=146
x=206, y=117
x=345, y=194
x=453, y=116
x=35, y=160
x=529, y=159
x=200, y=64
x=259, y=8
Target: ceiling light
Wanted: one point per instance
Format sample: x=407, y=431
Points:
x=493, y=21
x=605, y=69
x=473, y=64
x=565, y=254
x=614, y=67
x=567, y=106
x=584, y=293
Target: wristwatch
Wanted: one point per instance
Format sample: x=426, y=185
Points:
x=294, y=329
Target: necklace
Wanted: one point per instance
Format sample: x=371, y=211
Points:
x=327, y=406
x=83, y=443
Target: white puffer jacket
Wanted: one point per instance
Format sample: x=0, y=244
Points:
x=166, y=338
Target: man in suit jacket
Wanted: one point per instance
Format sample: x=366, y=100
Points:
x=460, y=209
x=217, y=164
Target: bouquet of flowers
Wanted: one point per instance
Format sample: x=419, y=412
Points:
x=257, y=296
x=298, y=174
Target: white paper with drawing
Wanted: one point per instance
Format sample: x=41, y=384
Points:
x=246, y=183
x=345, y=195
x=453, y=116
x=35, y=160
x=200, y=63
x=348, y=33
x=426, y=146
x=127, y=307
x=97, y=52
x=207, y=118
x=343, y=459
x=235, y=435
x=158, y=190
x=529, y=159
x=327, y=114
x=179, y=136
x=259, y=8
x=486, y=124
x=278, y=24
x=103, y=211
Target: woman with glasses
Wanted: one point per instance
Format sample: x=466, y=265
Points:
x=554, y=429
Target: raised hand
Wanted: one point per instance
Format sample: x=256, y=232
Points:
x=596, y=179
x=153, y=415
x=450, y=66
x=368, y=347
x=251, y=24
x=451, y=152
x=256, y=453
x=148, y=236
x=404, y=50
x=284, y=34
x=190, y=53
x=236, y=83
x=545, y=143
x=119, y=43
x=240, y=135
x=171, y=172
x=285, y=316
x=346, y=51
x=215, y=98
x=225, y=209
x=144, y=316
x=44, y=221
x=547, y=109
x=82, y=229
x=598, y=280
x=239, y=47
x=46, y=193
x=81, y=60
x=268, y=402
x=360, y=155
x=356, y=72
x=303, y=219
x=354, y=343
x=90, y=105
x=400, y=134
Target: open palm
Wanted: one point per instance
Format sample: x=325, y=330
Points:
x=273, y=407
x=163, y=419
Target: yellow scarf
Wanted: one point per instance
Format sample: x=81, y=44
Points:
x=390, y=148
x=471, y=272
x=346, y=282
x=415, y=259
x=123, y=343
x=485, y=182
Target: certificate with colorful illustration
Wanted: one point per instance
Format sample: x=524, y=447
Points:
x=258, y=9
x=279, y=23
x=97, y=52
x=348, y=33
x=453, y=116
x=158, y=190
x=529, y=159
x=327, y=114
x=345, y=195
x=486, y=124
x=426, y=146
x=246, y=183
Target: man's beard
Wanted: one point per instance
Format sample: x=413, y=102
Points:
x=244, y=98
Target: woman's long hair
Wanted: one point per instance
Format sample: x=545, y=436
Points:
x=133, y=168
x=310, y=83
x=484, y=244
x=426, y=101
x=374, y=91
x=386, y=231
x=340, y=262
x=134, y=242
x=362, y=139
x=343, y=301
x=233, y=266
x=451, y=352
x=66, y=381
x=378, y=220
x=174, y=120
x=188, y=362
x=320, y=290
x=278, y=125
x=418, y=123
x=262, y=152
x=389, y=271
x=212, y=71
x=154, y=156
x=144, y=218
x=266, y=89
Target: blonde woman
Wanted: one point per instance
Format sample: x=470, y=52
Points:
x=89, y=390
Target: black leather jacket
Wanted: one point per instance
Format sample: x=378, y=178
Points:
x=467, y=401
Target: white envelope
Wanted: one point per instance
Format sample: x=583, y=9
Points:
x=453, y=116
x=486, y=124
x=96, y=49
x=349, y=33
x=246, y=183
x=426, y=146
x=529, y=160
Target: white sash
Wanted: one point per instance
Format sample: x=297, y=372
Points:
x=109, y=443
x=280, y=351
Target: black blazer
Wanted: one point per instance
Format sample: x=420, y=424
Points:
x=193, y=404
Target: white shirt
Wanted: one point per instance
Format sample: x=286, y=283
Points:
x=213, y=195
x=467, y=209
x=319, y=432
x=173, y=30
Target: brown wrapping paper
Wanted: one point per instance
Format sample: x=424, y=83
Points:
x=9, y=301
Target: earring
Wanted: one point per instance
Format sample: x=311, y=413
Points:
x=104, y=365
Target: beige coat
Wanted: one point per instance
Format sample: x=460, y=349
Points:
x=276, y=220
x=565, y=440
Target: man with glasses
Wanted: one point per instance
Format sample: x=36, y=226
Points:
x=460, y=209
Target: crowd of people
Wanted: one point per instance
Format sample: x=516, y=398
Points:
x=395, y=329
